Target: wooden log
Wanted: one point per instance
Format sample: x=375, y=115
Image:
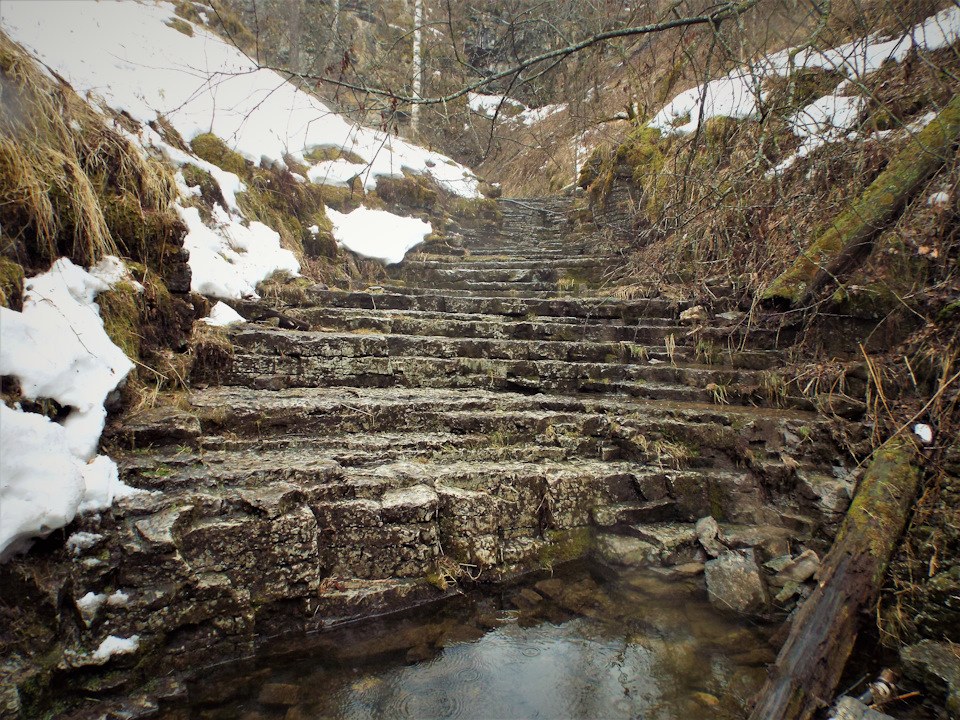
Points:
x=822, y=635
x=846, y=240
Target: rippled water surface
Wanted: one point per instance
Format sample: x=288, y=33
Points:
x=638, y=646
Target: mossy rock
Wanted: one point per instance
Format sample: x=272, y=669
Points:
x=180, y=26
x=719, y=130
x=325, y=153
x=408, y=192
x=341, y=199
x=214, y=150
x=870, y=301
x=209, y=188
x=120, y=310
x=565, y=546
x=151, y=237
x=322, y=244
x=591, y=168
x=11, y=284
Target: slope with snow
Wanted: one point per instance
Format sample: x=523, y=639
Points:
x=126, y=56
x=129, y=57
x=741, y=93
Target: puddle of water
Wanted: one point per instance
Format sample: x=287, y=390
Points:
x=638, y=645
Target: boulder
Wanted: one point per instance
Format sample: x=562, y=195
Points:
x=708, y=532
x=937, y=666
x=734, y=582
x=848, y=708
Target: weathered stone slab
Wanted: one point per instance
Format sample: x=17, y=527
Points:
x=734, y=582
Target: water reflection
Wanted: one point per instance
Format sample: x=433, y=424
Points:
x=639, y=646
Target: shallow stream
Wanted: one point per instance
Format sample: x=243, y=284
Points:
x=637, y=645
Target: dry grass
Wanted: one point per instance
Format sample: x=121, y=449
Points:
x=59, y=161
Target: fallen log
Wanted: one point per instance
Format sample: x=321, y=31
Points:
x=838, y=247
x=807, y=670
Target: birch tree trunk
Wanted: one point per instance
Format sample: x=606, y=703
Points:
x=417, y=65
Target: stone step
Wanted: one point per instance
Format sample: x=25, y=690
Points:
x=670, y=434
x=545, y=291
x=694, y=384
x=269, y=341
x=628, y=311
x=580, y=492
x=649, y=335
x=424, y=262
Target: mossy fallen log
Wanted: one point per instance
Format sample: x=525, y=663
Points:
x=839, y=246
x=824, y=630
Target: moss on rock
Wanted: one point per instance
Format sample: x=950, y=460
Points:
x=214, y=150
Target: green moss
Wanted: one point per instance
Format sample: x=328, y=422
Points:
x=325, y=153
x=210, y=191
x=150, y=237
x=275, y=198
x=11, y=284
x=410, y=191
x=180, y=26
x=719, y=130
x=565, y=545
x=873, y=209
x=878, y=511
x=214, y=150
x=869, y=302
x=473, y=209
x=120, y=310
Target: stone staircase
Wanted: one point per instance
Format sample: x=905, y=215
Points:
x=488, y=412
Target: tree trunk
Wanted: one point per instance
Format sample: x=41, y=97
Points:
x=824, y=630
x=847, y=239
x=417, y=64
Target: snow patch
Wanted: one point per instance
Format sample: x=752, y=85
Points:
x=80, y=541
x=58, y=350
x=222, y=315
x=114, y=645
x=229, y=261
x=377, y=234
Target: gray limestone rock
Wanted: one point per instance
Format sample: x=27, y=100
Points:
x=734, y=582
x=848, y=708
x=937, y=666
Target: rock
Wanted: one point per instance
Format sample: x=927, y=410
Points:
x=789, y=590
x=940, y=612
x=161, y=425
x=677, y=543
x=841, y=405
x=706, y=699
x=831, y=494
x=689, y=569
x=708, y=530
x=937, y=666
x=734, y=582
x=526, y=599
x=848, y=708
x=628, y=551
x=697, y=315
x=415, y=504
x=798, y=570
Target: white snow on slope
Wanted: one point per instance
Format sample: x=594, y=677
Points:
x=487, y=105
x=125, y=54
x=377, y=234
x=738, y=94
x=57, y=348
